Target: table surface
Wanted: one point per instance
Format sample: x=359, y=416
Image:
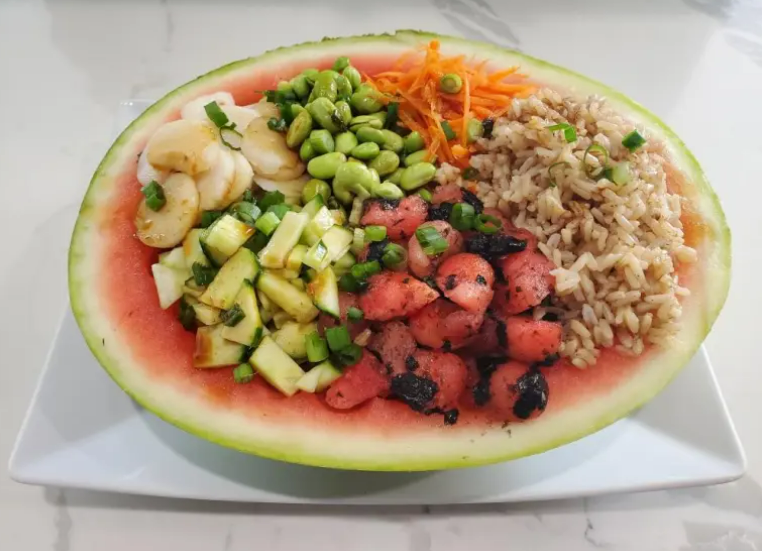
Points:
x=64, y=67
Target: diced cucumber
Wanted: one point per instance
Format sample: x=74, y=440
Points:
x=267, y=308
x=290, y=337
x=318, y=378
x=286, y=235
x=280, y=318
x=296, y=256
x=319, y=224
x=208, y=315
x=344, y=264
x=192, y=249
x=190, y=288
x=223, y=238
x=169, y=284
x=317, y=256
x=213, y=350
x=313, y=205
x=324, y=290
x=248, y=331
x=285, y=273
x=297, y=303
x=338, y=239
x=298, y=283
x=174, y=259
x=276, y=367
x=356, y=213
x=339, y=217
x=224, y=287
x=358, y=241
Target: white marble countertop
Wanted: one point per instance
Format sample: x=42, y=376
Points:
x=65, y=65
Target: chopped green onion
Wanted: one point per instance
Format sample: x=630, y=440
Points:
x=216, y=115
x=267, y=223
x=355, y=314
x=375, y=233
x=271, y=198
x=633, y=140
x=349, y=355
x=317, y=348
x=487, y=224
x=474, y=130
x=550, y=172
x=450, y=83
x=209, y=216
x=430, y=240
x=591, y=171
x=233, y=316
x=243, y=373
x=279, y=210
x=277, y=125
x=570, y=132
x=341, y=63
x=394, y=255
x=349, y=283
x=462, y=216
x=448, y=131
x=338, y=338
x=425, y=194
x=202, y=275
x=256, y=242
x=187, y=315
x=364, y=270
x=248, y=196
x=620, y=173
x=469, y=173
x=154, y=195
x=392, y=113
x=246, y=212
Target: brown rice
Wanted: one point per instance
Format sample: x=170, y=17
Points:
x=615, y=247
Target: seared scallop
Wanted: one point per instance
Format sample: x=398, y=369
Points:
x=188, y=146
x=214, y=184
x=268, y=153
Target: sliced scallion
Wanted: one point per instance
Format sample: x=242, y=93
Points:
x=243, y=373
x=279, y=210
x=154, y=195
x=570, y=132
x=552, y=178
x=349, y=283
x=462, y=216
x=209, y=216
x=349, y=355
x=620, y=173
x=338, y=338
x=216, y=115
x=595, y=150
x=450, y=83
x=425, y=194
x=430, y=240
x=355, y=314
x=469, y=173
x=487, y=224
x=232, y=316
x=394, y=256
x=271, y=198
x=267, y=223
x=364, y=270
x=316, y=346
x=448, y=131
x=633, y=140
x=246, y=212
x=375, y=233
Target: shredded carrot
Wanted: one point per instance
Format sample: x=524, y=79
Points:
x=423, y=107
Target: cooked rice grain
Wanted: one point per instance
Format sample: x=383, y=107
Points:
x=615, y=247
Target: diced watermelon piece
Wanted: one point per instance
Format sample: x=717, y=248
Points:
x=443, y=322
x=529, y=340
x=467, y=280
x=392, y=295
x=394, y=344
x=399, y=218
x=528, y=282
x=449, y=193
x=516, y=392
x=358, y=384
x=423, y=265
x=448, y=371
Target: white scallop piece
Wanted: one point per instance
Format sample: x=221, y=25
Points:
x=188, y=146
x=148, y=173
x=194, y=109
x=242, y=116
x=268, y=153
x=214, y=184
x=168, y=226
x=244, y=175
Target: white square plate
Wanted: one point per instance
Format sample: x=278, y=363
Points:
x=82, y=431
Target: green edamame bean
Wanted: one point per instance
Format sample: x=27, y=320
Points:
x=296, y=109
x=365, y=100
x=352, y=179
x=416, y=176
x=300, y=128
x=325, y=86
x=387, y=190
x=341, y=63
x=345, y=112
x=474, y=130
x=343, y=87
x=310, y=74
x=374, y=175
x=368, y=134
x=324, y=113
x=392, y=141
x=385, y=163
x=322, y=141
x=345, y=142
x=306, y=152
x=396, y=176
x=353, y=75
x=300, y=86
x=414, y=142
x=366, y=151
x=417, y=157
x=325, y=166
x=284, y=86
x=315, y=187
x=353, y=160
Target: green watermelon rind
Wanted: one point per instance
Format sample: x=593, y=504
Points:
x=442, y=449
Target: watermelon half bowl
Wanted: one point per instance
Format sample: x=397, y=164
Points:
x=149, y=354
